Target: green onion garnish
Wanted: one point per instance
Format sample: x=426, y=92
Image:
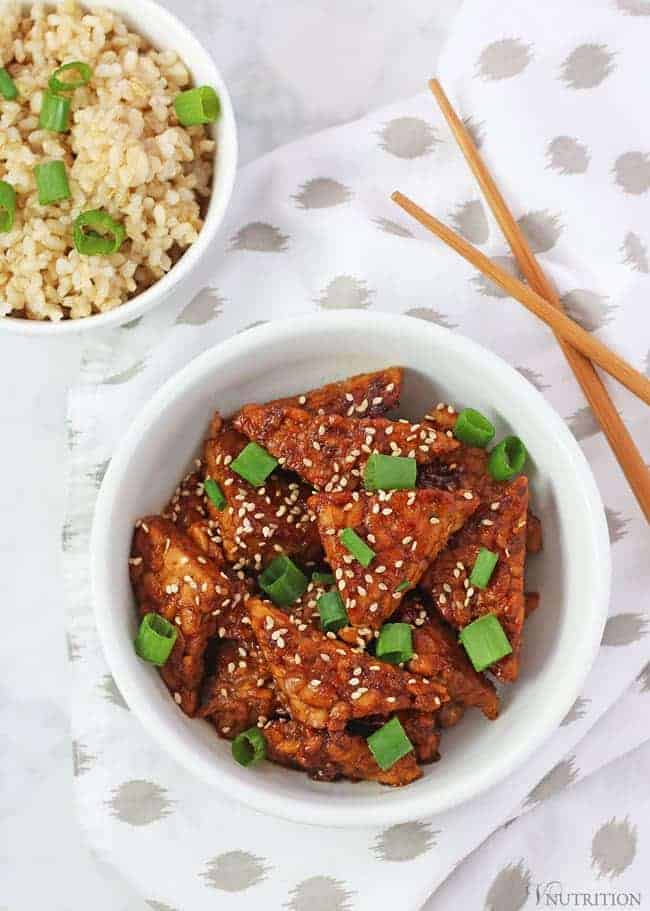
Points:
x=8, y=88
x=52, y=182
x=155, y=639
x=389, y=744
x=357, y=546
x=473, y=428
x=395, y=643
x=384, y=472
x=249, y=747
x=403, y=586
x=7, y=206
x=55, y=113
x=215, y=493
x=483, y=568
x=332, y=612
x=283, y=581
x=196, y=106
x=104, y=237
x=254, y=464
x=323, y=578
x=56, y=84
x=507, y=459
x=485, y=642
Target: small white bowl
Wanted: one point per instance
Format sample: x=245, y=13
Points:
x=572, y=572
x=165, y=32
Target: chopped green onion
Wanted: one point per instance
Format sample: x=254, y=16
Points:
x=403, y=586
x=254, y=464
x=507, y=459
x=55, y=113
x=56, y=84
x=332, y=612
x=357, y=546
x=8, y=88
x=249, y=747
x=283, y=582
x=104, y=237
x=483, y=568
x=7, y=206
x=215, y=493
x=385, y=472
x=323, y=578
x=485, y=642
x=395, y=643
x=155, y=639
x=389, y=744
x=52, y=182
x=196, y=106
x=473, y=428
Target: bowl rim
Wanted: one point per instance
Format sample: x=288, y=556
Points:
x=225, y=170
x=256, y=793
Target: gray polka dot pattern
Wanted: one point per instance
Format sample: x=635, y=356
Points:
x=321, y=193
x=504, y=59
x=632, y=172
x=235, y=871
x=634, y=7
x=613, y=847
x=486, y=286
x=96, y=474
x=158, y=906
x=470, y=220
x=320, y=893
x=534, y=378
x=476, y=130
x=259, y=237
x=559, y=777
x=587, y=66
x=567, y=156
x=72, y=647
x=644, y=679
x=139, y=802
x=510, y=888
x=392, y=227
x=124, y=376
x=624, y=629
x=345, y=293
x=204, y=306
x=404, y=842
x=407, y=137
x=616, y=524
x=589, y=309
x=111, y=693
x=542, y=229
x=635, y=253
x=133, y=324
x=82, y=760
x=432, y=316
x=577, y=711
x=259, y=322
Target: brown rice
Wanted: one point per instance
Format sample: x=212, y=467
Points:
x=125, y=153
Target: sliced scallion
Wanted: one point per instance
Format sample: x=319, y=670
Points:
x=507, y=459
x=357, y=546
x=254, y=464
x=8, y=88
x=155, y=639
x=332, y=612
x=385, y=472
x=473, y=428
x=483, y=568
x=249, y=747
x=197, y=106
x=395, y=643
x=56, y=84
x=95, y=233
x=52, y=182
x=485, y=641
x=283, y=581
x=55, y=113
x=389, y=744
x=323, y=578
x=7, y=207
x=214, y=493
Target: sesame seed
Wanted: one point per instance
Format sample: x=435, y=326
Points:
x=177, y=698
x=314, y=683
x=487, y=522
x=391, y=699
x=353, y=681
x=468, y=495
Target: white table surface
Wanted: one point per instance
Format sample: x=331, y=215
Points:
x=293, y=67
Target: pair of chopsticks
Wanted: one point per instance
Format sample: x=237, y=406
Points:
x=539, y=296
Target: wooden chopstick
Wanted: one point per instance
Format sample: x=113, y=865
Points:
x=595, y=391
x=557, y=320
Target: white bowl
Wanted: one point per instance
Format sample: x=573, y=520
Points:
x=165, y=32
x=572, y=572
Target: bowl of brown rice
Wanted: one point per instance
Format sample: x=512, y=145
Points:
x=118, y=152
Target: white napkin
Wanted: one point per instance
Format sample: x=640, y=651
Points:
x=552, y=91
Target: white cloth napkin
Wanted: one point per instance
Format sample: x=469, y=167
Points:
x=552, y=91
